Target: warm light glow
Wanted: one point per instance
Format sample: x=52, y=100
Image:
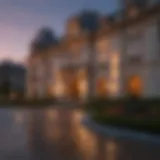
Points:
x=83, y=86
x=51, y=126
x=59, y=89
x=113, y=88
x=52, y=114
x=102, y=86
x=86, y=141
x=113, y=85
x=83, y=83
x=111, y=150
x=59, y=86
x=135, y=85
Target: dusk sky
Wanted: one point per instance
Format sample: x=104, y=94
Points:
x=20, y=19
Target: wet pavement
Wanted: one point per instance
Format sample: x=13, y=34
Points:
x=57, y=134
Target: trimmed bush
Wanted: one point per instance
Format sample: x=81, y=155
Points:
x=131, y=113
x=144, y=125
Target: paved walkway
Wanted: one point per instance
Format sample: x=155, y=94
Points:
x=58, y=134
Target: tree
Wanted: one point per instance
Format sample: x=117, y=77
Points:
x=5, y=89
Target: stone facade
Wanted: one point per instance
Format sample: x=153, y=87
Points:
x=125, y=45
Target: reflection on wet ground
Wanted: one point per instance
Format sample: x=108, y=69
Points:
x=57, y=133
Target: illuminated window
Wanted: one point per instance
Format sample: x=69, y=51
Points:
x=73, y=87
x=135, y=85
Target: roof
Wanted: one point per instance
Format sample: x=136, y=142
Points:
x=44, y=39
x=108, y=24
x=123, y=19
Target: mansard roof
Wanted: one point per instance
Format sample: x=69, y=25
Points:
x=126, y=18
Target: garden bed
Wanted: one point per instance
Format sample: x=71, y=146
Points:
x=134, y=114
x=142, y=125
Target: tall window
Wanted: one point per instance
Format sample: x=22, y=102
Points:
x=135, y=45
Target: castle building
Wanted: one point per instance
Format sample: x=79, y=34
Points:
x=122, y=48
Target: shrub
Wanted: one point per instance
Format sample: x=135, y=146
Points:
x=130, y=106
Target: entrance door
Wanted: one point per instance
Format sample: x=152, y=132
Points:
x=73, y=87
x=101, y=87
x=71, y=83
x=135, y=85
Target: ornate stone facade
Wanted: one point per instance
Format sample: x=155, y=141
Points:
x=124, y=45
